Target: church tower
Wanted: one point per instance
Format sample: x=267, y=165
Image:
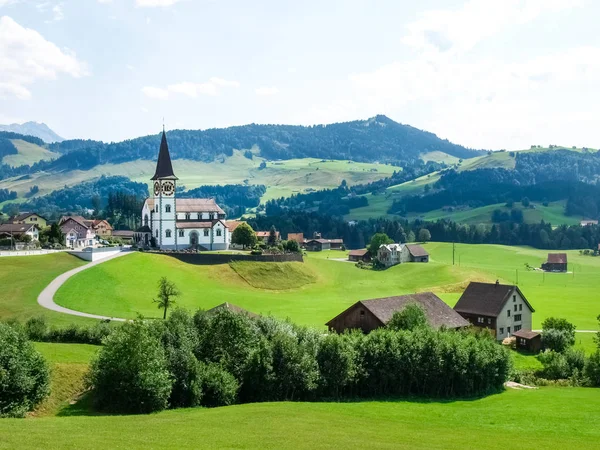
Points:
x=164, y=217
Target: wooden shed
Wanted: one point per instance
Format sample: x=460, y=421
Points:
x=359, y=255
x=368, y=315
x=317, y=245
x=557, y=262
x=528, y=340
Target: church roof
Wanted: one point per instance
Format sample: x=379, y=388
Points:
x=192, y=205
x=164, y=168
x=201, y=224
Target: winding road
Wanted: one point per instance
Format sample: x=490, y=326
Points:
x=46, y=297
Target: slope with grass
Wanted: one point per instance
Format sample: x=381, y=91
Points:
x=22, y=278
x=544, y=418
x=28, y=154
x=282, y=276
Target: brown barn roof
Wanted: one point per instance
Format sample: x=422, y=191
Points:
x=362, y=252
x=486, y=299
x=438, y=313
x=16, y=228
x=233, y=308
x=298, y=237
x=320, y=241
x=416, y=250
x=526, y=334
x=557, y=258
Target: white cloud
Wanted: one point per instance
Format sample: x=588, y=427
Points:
x=26, y=57
x=156, y=93
x=266, y=90
x=212, y=87
x=155, y=3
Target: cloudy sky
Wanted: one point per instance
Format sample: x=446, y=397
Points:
x=482, y=73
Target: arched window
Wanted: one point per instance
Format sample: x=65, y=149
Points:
x=188, y=216
x=146, y=219
x=168, y=233
x=156, y=208
x=218, y=232
x=181, y=233
x=205, y=232
x=168, y=208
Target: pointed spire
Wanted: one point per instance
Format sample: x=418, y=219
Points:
x=164, y=168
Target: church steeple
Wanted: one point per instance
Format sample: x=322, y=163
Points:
x=164, y=168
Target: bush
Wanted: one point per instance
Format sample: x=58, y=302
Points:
x=37, y=328
x=219, y=387
x=410, y=318
x=562, y=365
x=292, y=246
x=557, y=340
x=592, y=369
x=24, y=374
x=336, y=358
x=130, y=373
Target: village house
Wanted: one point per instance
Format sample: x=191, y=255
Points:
x=78, y=232
x=500, y=307
x=171, y=223
x=367, y=315
x=392, y=254
x=263, y=236
x=102, y=228
x=389, y=254
x=556, y=262
x=18, y=230
x=359, y=255
x=30, y=218
x=298, y=237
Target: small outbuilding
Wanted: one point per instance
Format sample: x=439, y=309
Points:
x=317, y=245
x=557, y=262
x=368, y=315
x=232, y=308
x=125, y=235
x=359, y=255
x=416, y=253
x=528, y=340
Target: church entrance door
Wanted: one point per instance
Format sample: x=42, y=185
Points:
x=193, y=239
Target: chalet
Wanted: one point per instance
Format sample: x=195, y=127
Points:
x=101, y=227
x=78, y=232
x=557, y=262
x=528, y=340
x=367, y=315
x=232, y=308
x=500, y=307
x=359, y=255
x=264, y=235
x=18, y=230
x=389, y=254
x=317, y=245
x=31, y=218
x=298, y=237
x=414, y=253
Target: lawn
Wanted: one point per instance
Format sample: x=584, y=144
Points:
x=28, y=153
x=544, y=418
x=22, y=278
x=125, y=287
x=283, y=276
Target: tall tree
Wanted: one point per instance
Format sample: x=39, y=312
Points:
x=377, y=241
x=272, y=241
x=167, y=291
x=244, y=235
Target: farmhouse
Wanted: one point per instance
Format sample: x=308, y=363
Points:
x=78, y=231
x=170, y=223
x=500, y=307
x=298, y=237
x=102, y=228
x=264, y=235
x=29, y=217
x=18, y=230
x=389, y=254
x=317, y=245
x=367, y=315
x=359, y=255
x=530, y=341
x=557, y=262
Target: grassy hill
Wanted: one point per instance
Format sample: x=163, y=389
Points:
x=29, y=154
x=125, y=287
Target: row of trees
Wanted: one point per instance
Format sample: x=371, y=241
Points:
x=222, y=358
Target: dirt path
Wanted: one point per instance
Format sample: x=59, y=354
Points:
x=46, y=297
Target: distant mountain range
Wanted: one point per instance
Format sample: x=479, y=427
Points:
x=40, y=130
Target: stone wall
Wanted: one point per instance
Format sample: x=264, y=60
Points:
x=219, y=258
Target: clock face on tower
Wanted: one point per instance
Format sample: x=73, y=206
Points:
x=168, y=188
x=156, y=187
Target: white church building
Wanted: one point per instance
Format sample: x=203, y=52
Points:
x=177, y=224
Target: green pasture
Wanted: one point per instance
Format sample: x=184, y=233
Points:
x=28, y=153
x=544, y=418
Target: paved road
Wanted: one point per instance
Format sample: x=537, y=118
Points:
x=46, y=297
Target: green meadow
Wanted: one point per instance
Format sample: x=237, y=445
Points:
x=125, y=287
x=28, y=153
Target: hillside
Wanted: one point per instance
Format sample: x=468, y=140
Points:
x=40, y=130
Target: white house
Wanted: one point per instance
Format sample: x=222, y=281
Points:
x=500, y=307
x=175, y=224
x=16, y=230
x=390, y=254
x=78, y=232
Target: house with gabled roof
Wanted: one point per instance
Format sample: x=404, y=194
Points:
x=501, y=308
x=414, y=253
x=556, y=262
x=368, y=315
x=18, y=230
x=31, y=218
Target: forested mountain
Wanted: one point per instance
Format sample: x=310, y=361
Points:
x=39, y=130
x=377, y=139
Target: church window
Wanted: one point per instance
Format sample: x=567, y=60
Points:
x=168, y=233
x=156, y=233
x=188, y=216
x=168, y=208
x=156, y=208
x=205, y=232
x=199, y=216
x=181, y=233
x=218, y=232
x=146, y=220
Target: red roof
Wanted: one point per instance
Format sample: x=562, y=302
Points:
x=557, y=258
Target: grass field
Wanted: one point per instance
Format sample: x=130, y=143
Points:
x=28, y=154
x=282, y=178
x=22, y=278
x=544, y=418
x=125, y=287
x=283, y=276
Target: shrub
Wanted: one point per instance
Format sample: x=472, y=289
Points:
x=409, y=318
x=37, y=328
x=557, y=340
x=130, y=373
x=592, y=369
x=336, y=358
x=24, y=374
x=292, y=246
x=562, y=365
x=219, y=387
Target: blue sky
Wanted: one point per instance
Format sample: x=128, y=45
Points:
x=482, y=73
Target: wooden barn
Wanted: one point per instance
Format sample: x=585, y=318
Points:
x=359, y=255
x=416, y=253
x=368, y=315
x=317, y=245
x=528, y=340
x=557, y=262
